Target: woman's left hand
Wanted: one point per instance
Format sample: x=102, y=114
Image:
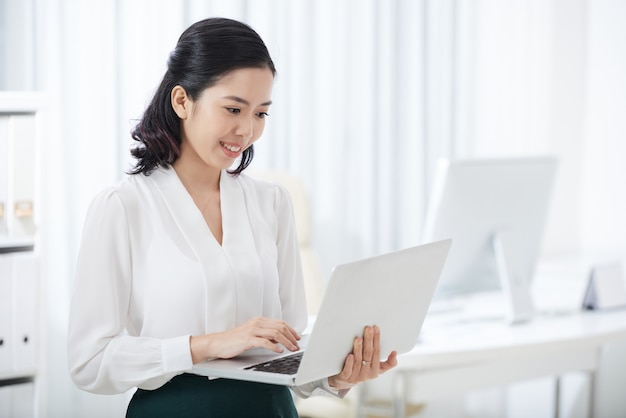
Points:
x=364, y=361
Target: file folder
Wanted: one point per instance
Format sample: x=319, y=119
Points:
x=6, y=410
x=21, y=175
x=25, y=312
x=17, y=400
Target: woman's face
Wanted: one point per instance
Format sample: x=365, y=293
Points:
x=226, y=119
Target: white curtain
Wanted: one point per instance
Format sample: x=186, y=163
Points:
x=369, y=94
x=348, y=114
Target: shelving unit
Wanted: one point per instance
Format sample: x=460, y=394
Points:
x=19, y=252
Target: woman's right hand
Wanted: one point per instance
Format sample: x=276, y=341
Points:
x=257, y=332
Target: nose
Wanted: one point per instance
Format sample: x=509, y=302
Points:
x=245, y=128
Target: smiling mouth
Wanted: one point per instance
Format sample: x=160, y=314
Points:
x=231, y=148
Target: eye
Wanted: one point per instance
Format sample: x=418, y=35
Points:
x=262, y=115
x=233, y=110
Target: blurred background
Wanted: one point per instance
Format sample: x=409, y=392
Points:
x=369, y=94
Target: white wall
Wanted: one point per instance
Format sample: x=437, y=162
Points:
x=537, y=77
x=603, y=191
x=521, y=86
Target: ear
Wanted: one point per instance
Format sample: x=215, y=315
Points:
x=181, y=103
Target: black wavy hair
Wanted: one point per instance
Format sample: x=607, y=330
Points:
x=205, y=52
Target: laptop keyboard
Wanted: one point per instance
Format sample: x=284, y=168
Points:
x=283, y=365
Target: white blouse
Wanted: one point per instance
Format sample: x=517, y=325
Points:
x=151, y=274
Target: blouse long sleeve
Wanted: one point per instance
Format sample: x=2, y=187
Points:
x=102, y=358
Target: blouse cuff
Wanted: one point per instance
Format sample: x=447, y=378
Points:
x=319, y=388
x=176, y=354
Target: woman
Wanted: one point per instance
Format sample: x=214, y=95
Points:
x=186, y=259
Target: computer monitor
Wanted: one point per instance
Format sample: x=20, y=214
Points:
x=494, y=210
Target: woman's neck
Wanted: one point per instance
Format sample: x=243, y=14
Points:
x=198, y=178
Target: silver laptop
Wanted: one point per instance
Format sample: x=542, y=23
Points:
x=392, y=291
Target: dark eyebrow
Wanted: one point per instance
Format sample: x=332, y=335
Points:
x=245, y=102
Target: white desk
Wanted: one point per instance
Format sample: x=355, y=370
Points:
x=457, y=356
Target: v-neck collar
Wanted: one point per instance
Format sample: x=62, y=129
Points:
x=236, y=226
x=238, y=247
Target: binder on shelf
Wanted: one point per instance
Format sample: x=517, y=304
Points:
x=25, y=311
x=6, y=394
x=21, y=175
x=23, y=400
x=19, y=309
x=17, y=400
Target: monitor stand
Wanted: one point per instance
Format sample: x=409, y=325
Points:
x=518, y=300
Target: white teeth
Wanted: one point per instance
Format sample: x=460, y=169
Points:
x=231, y=148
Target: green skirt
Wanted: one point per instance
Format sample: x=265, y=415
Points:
x=189, y=395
